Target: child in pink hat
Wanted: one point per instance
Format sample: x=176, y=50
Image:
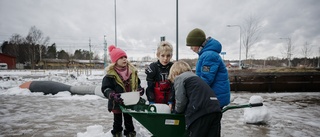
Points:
x=121, y=77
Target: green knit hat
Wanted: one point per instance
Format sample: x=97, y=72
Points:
x=196, y=37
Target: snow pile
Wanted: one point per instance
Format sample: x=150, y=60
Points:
x=93, y=131
x=20, y=91
x=66, y=95
x=256, y=115
x=97, y=131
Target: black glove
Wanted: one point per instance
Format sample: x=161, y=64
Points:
x=116, y=97
x=141, y=91
x=173, y=111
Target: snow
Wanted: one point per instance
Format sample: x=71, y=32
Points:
x=23, y=113
x=93, y=131
x=256, y=115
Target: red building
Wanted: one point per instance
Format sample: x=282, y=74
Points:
x=10, y=60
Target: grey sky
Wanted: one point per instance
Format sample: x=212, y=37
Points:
x=141, y=23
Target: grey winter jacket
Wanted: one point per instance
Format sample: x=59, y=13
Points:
x=194, y=97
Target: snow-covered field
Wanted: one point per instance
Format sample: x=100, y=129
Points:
x=26, y=114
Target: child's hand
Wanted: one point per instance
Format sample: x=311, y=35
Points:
x=170, y=106
x=116, y=97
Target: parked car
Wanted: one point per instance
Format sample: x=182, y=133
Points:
x=3, y=66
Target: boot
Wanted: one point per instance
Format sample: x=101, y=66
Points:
x=130, y=134
x=116, y=134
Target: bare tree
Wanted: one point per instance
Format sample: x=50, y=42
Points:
x=37, y=42
x=288, y=50
x=250, y=33
x=306, y=52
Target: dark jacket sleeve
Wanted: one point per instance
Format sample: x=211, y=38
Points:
x=151, y=78
x=172, y=90
x=139, y=82
x=172, y=94
x=107, y=87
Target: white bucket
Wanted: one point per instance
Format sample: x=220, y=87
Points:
x=130, y=98
x=160, y=108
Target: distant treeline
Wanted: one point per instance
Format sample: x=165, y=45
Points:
x=34, y=47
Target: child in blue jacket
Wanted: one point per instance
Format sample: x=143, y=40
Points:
x=210, y=66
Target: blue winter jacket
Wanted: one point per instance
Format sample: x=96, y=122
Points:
x=211, y=68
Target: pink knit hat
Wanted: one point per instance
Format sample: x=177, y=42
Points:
x=115, y=53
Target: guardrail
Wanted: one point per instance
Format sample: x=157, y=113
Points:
x=275, y=81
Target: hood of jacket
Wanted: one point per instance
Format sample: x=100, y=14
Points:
x=211, y=45
x=134, y=76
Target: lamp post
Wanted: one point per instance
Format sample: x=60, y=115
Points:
x=319, y=58
x=239, y=42
x=177, y=31
x=288, y=50
x=115, y=22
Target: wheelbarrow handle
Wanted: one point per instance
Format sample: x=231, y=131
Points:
x=241, y=106
x=256, y=105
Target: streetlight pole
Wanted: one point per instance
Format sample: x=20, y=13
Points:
x=319, y=58
x=239, y=42
x=115, y=22
x=177, y=35
x=288, y=50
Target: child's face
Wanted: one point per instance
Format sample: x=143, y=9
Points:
x=164, y=58
x=195, y=48
x=122, y=62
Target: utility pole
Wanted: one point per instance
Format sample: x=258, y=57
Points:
x=90, y=52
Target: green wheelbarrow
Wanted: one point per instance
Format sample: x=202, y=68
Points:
x=163, y=124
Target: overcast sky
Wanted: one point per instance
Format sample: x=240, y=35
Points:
x=140, y=24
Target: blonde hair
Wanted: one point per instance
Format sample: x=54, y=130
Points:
x=178, y=68
x=112, y=65
x=164, y=47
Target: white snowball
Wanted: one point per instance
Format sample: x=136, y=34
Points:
x=93, y=131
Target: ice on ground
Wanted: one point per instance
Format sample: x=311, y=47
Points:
x=24, y=113
x=93, y=131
